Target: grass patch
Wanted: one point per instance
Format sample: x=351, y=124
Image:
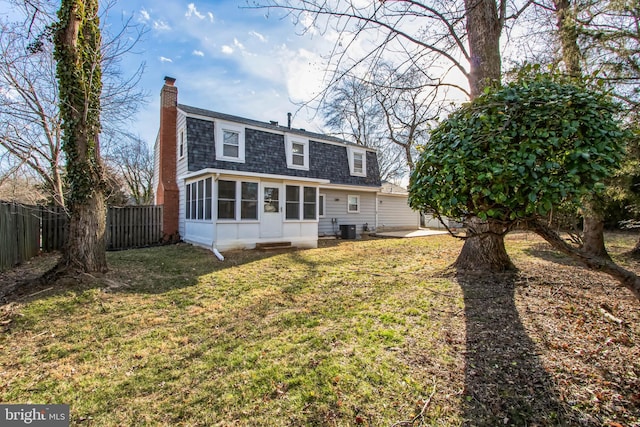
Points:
x=351, y=333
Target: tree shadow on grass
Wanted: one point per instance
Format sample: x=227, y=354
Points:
x=505, y=382
x=546, y=252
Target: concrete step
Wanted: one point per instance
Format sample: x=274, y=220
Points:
x=272, y=246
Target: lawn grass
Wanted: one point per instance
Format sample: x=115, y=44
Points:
x=352, y=333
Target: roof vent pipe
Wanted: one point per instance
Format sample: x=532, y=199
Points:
x=289, y=120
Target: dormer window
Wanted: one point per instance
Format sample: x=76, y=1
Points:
x=357, y=161
x=230, y=143
x=229, y=139
x=297, y=151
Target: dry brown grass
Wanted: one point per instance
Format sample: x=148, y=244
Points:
x=352, y=333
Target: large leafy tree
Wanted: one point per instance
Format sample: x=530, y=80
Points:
x=78, y=54
x=507, y=158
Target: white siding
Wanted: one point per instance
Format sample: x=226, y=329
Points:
x=336, y=208
x=182, y=169
x=394, y=213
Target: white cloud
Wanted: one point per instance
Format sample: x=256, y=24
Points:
x=237, y=44
x=192, y=11
x=144, y=16
x=303, y=73
x=308, y=22
x=257, y=35
x=211, y=17
x=198, y=53
x=227, y=50
x=164, y=59
x=161, y=26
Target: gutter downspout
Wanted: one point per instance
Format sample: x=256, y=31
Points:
x=214, y=249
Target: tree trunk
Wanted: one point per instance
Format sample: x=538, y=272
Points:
x=483, y=30
x=626, y=278
x=593, y=222
x=635, y=252
x=86, y=247
x=77, y=52
x=484, y=249
x=593, y=233
x=568, y=30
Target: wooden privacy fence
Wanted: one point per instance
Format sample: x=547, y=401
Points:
x=19, y=234
x=127, y=227
x=25, y=230
x=133, y=227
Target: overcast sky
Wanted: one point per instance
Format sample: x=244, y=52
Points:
x=226, y=58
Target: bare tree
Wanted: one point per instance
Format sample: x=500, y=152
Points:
x=461, y=39
x=352, y=112
x=29, y=98
x=410, y=104
x=133, y=162
x=28, y=106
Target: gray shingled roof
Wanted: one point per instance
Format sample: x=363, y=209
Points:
x=237, y=119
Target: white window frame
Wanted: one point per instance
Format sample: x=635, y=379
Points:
x=322, y=203
x=352, y=151
x=238, y=202
x=220, y=128
x=289, y=140
x=349, y=204
x=196, y=201
x=181, y=143
x=300, y=203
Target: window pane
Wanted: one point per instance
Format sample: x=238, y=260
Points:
x=271, y=199
x=249, y=204
x=309, y=208
x=293, y=193
x=353, y=204
x=249, y=210
x=226, y=189
x=230, y=144
x=293, y=210
x=230, y=138
x=200, y=199
x=321, y=205
x=298, y=160
x=207, y=198
x=357, y=162
x=249, y=191
x=309, y=211
x=181, y=143
x=226, y=199
x=298, y=149
x=309, y=194
x=293, y=202
x=226, y=209
x=188, y=202
x=230, y=151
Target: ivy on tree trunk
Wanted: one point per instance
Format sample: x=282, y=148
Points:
x=77, y=52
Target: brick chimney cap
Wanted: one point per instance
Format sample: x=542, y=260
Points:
x=169, y=81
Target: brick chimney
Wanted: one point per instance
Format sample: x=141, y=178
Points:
x=167, y=192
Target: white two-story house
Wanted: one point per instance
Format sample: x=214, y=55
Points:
x=228, y=182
